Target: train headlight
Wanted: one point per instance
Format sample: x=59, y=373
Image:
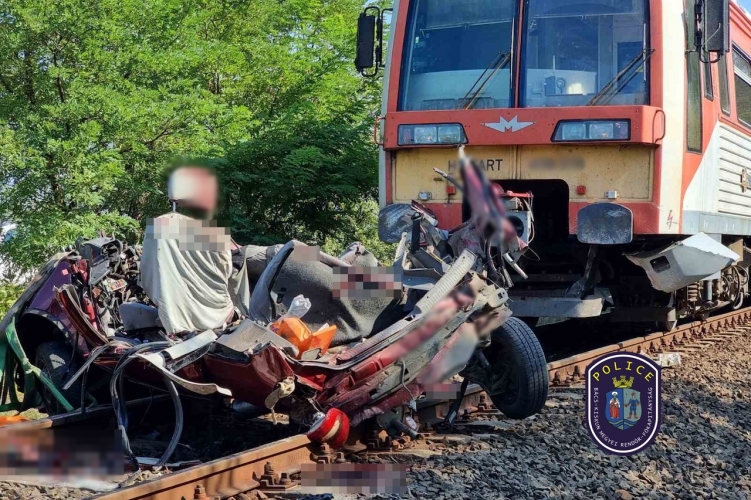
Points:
x=572, y=131
x=425, y=135
x=450, y=134
x=592, y=130
x=446, y=133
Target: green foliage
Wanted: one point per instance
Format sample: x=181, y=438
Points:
x=300, y=178
x=96, y=99
x=8, y=295
x=362, y=226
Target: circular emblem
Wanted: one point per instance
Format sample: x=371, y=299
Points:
x=623, y=402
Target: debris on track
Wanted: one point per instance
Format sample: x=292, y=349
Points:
x=702, y=450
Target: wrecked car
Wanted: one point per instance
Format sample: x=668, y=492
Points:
x=329, y=341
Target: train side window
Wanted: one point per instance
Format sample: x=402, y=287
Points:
x=722, y=67
x=742, y=70
x=708, y=83
x=693, y=97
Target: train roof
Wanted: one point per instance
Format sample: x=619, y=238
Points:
x=741, y=10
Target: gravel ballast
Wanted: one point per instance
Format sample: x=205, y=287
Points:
x=703, y=449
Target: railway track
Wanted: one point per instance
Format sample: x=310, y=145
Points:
x=570, y=370
x=274, y=467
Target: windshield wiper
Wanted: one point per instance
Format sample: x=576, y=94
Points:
x=633, y=66
x=500, y=62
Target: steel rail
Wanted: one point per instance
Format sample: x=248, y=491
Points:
x=228, y=476
x=270, y=467
x=571, y=370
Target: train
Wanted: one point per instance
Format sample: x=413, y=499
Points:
x=619, y=130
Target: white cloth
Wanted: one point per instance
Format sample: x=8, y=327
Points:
x=185, y=270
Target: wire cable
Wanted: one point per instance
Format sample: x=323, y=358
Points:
x=120, y=408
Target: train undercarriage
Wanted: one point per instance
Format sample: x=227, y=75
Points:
x=606, y=270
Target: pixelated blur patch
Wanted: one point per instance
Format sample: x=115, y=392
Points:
x=353, y=479
x=304, y=253
x=63, y=452
x=191, y=234
x=367, y=283
x=448, y=390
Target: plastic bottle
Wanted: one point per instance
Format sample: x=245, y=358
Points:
x=298, y=308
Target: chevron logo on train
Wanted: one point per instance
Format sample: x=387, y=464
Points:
x=623, y=402
x=514, y=125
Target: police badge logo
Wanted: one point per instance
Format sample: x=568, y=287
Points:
x=623, y=402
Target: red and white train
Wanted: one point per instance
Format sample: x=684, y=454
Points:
x=628, y=122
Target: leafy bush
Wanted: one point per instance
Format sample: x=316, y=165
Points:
x=9, y=293
x=305, y=177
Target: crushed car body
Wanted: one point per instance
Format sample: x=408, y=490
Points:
x=329, y=341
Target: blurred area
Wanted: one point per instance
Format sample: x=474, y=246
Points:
x=61, y=452
x=354, y=479
x=195, y=187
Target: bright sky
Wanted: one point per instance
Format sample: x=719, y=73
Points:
x=746, y=4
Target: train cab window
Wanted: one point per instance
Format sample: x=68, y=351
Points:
x=458, y=55
x=693, y=96
x=587, y=52
x=742, y=70
x=722, y=67
x=693, y=120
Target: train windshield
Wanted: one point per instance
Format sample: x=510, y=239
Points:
x=458, y=54
x=585, y=52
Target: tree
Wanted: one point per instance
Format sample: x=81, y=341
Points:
x=8, y=294
x=96, y=99
x=299, y=178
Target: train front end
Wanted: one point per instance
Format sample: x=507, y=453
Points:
x=585, y=109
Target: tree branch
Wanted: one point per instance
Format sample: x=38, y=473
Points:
x=58, y=80
x=57, y=192
x=161, y=134
x=29, y=77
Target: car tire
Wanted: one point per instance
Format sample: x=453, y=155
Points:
x=52, y=359
x=516, y=352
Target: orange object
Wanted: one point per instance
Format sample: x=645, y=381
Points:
x=12, y=420
x=322, y=338
x=297, y=332
x=293, y=330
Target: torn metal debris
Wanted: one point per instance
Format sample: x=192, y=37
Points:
x=329, y=341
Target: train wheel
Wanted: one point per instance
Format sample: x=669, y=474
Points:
x=667, y=325
x=741, y=274
x=519, y=382
x=52, y=358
